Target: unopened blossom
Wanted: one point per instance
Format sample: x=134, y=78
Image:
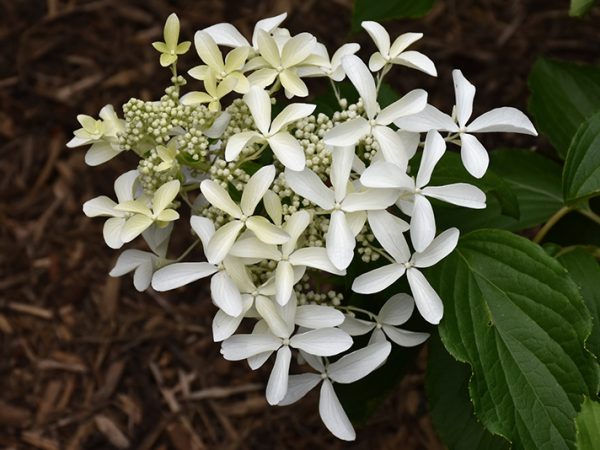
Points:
x=396, y=53
x=273, y=132
x=393, y=242
x=348, y=369
x=221, y=69
x=473, y=154
x=393, y=145
x=414, y=192
x=101, y=133
x=170, y=49
x=347, y=208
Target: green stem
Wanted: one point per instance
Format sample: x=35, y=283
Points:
x=188, y=250
x=336, y=92
x=550, y=223
x=590, y=215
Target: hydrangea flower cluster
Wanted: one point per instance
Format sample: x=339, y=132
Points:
x=283, y=200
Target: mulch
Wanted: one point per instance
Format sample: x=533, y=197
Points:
x=86, y=361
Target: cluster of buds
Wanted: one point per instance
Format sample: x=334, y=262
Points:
x=281, y=198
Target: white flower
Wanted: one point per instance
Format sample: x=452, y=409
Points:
x=279, y=337
x=347, y=209
x=285, y=147
x=474, y=155
x=389, y=234
x=393, y=145
x=348, y=369
x=214, y=92
x=281, y=63
x=211, y=55
x=105, y=207
x=395, y=53
x=102, y=134
x=413, y=194
x=141, y=263
x=170, y=49
x=395, y=312
x=227, y=35
x=319, y=64
x=142, y=216
x=167, y=155
x=288, y=257
x=243, y=215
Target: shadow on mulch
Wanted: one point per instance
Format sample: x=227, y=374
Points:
x=89, y=363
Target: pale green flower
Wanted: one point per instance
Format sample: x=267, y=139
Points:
x=170, y=48
x=167, y=155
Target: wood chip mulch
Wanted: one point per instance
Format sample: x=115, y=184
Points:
x=86, y=361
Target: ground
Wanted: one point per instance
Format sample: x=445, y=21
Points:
x=86, y=361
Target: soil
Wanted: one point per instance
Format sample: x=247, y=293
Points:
x=86, y=361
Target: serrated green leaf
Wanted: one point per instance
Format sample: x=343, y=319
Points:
x=585, y=272
x=588, y=426
x=450, y=407
x=532, y=178
x=381, y=11
x=515, y=316
x=581, y=175
x=563, y=95
x=580, y=7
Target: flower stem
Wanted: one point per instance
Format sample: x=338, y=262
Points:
x=590, y=215
x=550, y=223
x=188, y=250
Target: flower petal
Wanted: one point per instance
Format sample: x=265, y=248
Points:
x=369, y=200
x=293, y=83
x=208, y=51
x=411, y=103
x=263, y=77
x=268, y=311
x=112, y=232
x=505, y=119
x=227, y=35
x=322, y=342
x=416, y=60
x=361, y=78
x=255, y=188
x=297, y=49
x=405, y=338
x=434, y=149
x=288, y=150
x=142, y=277
x=391, y=145
x=242, y=346
x=125, y=186
x=339, y=241
x=360, y=363
x=134, y=226
x=259, y=103
x=341, y=166
x=204, y=228
x=307, y=184
x=99, y=153
x=422, y=223
x=180, y=274
x=252, y=247
x=378, y=279
x=402, y=42
x=389, y=231
x=220, y=198
x=460, y=194
x=266, y=231
x=439, y=248
x=295, y=226
x=347, y=133
x=430, y=118
x=164, y=195
x=268, y=25
x=226, y=294
x=474, y=156
x=290, y=114
x=384, y=174
x=278, y=380
x=465, y=93
x=299, y=386
x=428, y=303
x=100, y=206
x=284, y=282
x=318, y=316
x=315, y=257
x=238, y=142
x=380, y=36
x=397, y=310
x=267, y=48
x=356, y=327
x=222, y=241
x=333, y=415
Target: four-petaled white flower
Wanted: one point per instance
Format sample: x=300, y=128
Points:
x=102, y=134
x=170, y=49
x=214, y=92
x=281, y=63
x=395, y=312
x=211, y=55
x=389, y=234
x=347, y=209
x=413, y=193
x=285, y=146
x=474, y=155
x=393, y=145
x=243, y=215
x=279, y=337
x=103, y=206
x=348, y=369
x=394, y=53
x=288, y=257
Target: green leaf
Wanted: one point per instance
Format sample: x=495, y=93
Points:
x=563, y=95
x=588, y=425
x=451, y=410
x=585, y=272
x=580, y=7
x=532, y=178
x=380, y=11
x=581, y=175
x=516, y=317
